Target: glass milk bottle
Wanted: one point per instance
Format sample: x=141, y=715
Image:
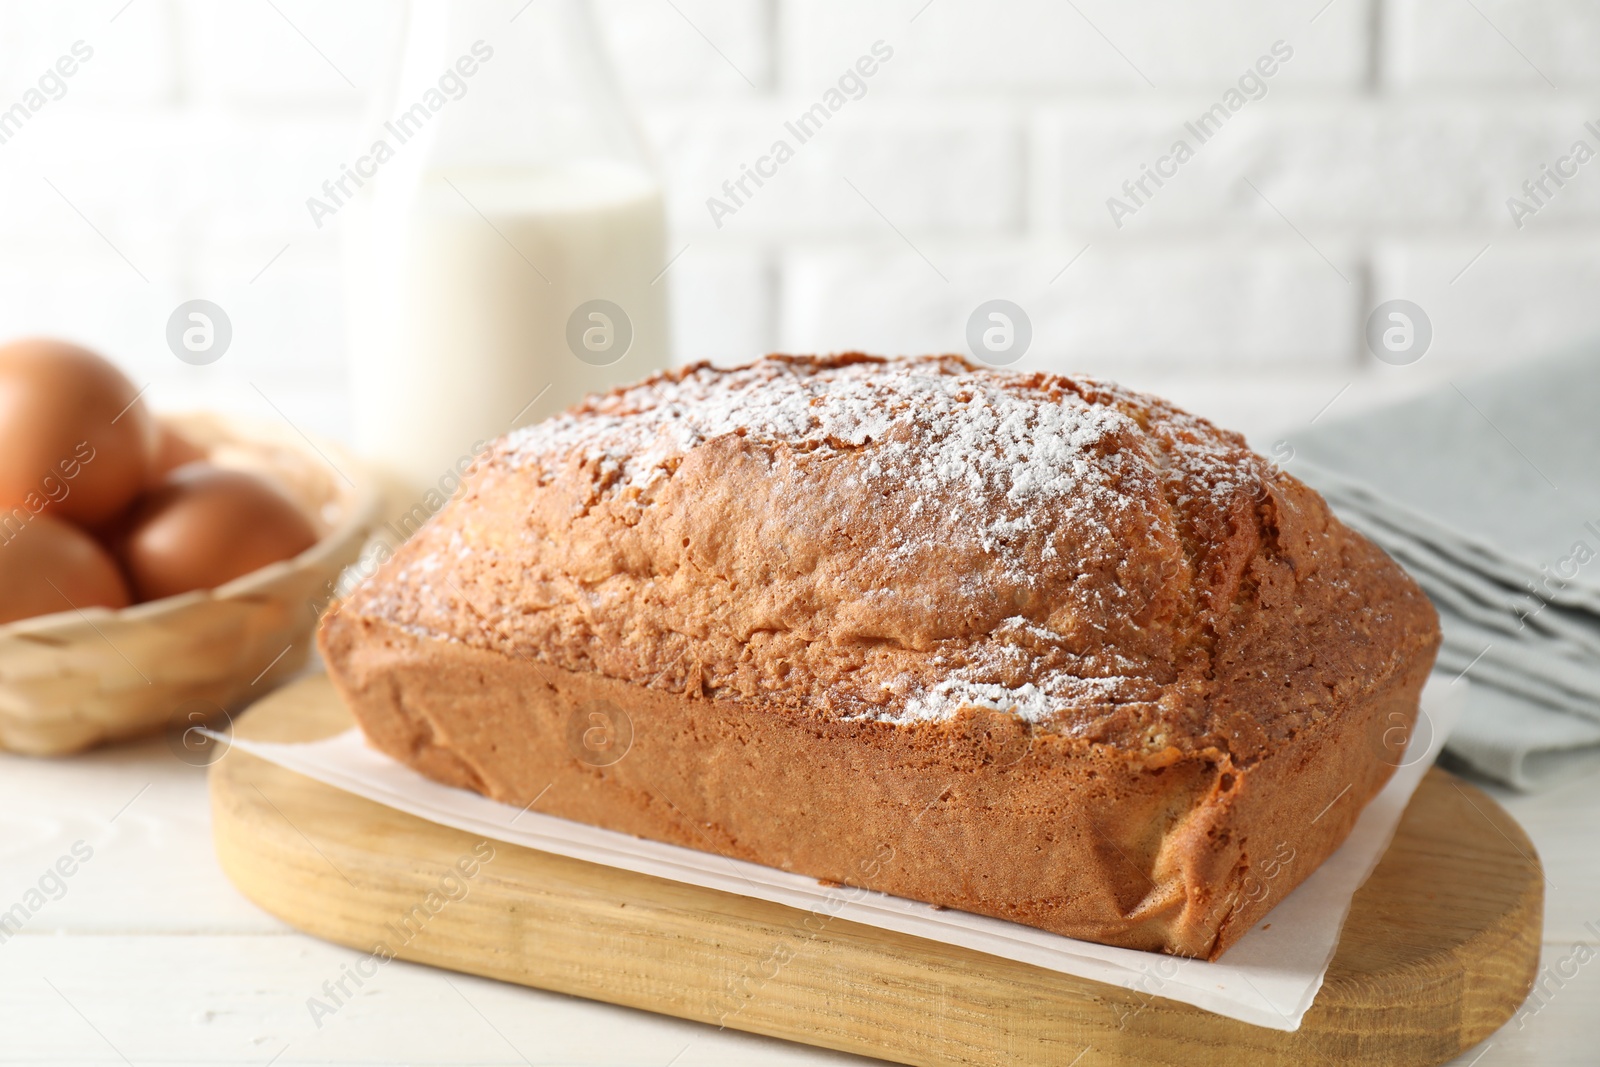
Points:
x=504, y=236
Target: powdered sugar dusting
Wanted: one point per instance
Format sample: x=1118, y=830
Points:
x=890, y=541
x=975, y=455
x=974, y=430
x=1030, y=702
x=970, y=458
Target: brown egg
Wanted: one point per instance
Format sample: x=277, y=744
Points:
x=75, y=438
x=48, y=566
x=202, y=526
x=173, y=450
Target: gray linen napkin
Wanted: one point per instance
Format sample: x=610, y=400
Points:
x=1488, y=491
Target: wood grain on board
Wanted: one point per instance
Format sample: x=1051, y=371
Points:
x=1440, y=949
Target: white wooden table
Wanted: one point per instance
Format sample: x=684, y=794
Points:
x=147, y=955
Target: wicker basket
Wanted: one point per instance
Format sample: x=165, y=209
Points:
x=77, y=679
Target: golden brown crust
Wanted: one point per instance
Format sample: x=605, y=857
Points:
x=1077, y=658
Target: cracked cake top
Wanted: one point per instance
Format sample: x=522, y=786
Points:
x=904, y=541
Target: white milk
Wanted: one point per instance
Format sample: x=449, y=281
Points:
x=460, y=299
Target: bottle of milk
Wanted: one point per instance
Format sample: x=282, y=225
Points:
x=504, y=236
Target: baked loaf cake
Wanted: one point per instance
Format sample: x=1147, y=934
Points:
x=1030, y=646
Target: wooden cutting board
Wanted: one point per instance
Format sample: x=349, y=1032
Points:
x=1441, y=947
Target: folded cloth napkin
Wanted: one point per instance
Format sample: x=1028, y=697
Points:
x=1488, y=491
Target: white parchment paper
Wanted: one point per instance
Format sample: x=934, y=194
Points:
x=1268, y=978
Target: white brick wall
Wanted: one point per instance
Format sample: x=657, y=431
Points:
x=1381, y=157
x=955, y=169
x=1263, y=307
x=1027, y=48
x=1445, y=44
